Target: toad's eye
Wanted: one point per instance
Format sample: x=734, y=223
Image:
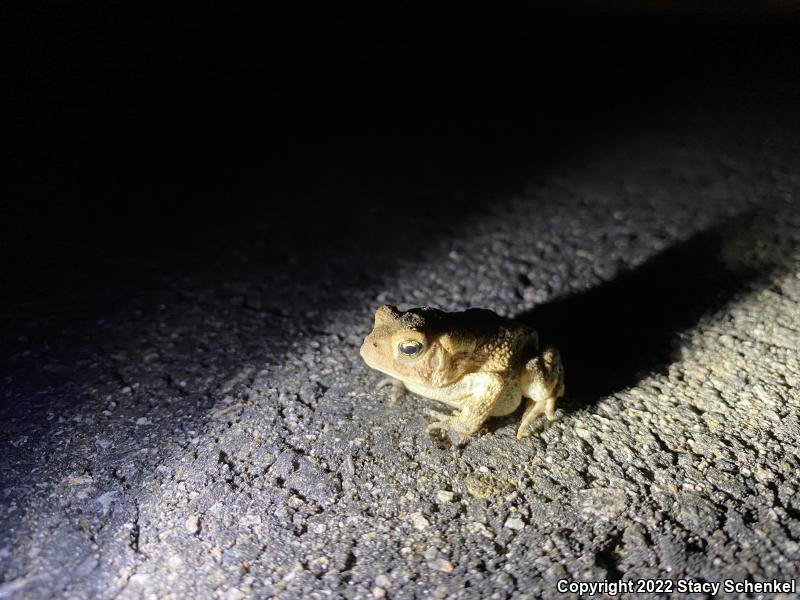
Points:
x=409, y=348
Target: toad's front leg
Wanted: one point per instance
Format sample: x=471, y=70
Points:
x=397, y=388
x=456, y=422
x=481, y=393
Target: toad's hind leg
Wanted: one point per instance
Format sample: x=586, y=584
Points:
x=543, y=384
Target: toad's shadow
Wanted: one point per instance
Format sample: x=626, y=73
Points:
x=612, y=335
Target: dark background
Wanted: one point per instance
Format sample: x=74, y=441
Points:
x=146, y=140
x=132, y=123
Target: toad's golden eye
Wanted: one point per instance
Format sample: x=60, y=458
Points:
x=409, y=348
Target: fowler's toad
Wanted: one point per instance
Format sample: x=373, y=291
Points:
x=475, y=361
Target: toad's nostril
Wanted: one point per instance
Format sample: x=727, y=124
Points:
x=375, y=344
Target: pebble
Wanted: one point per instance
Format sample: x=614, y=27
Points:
x=445, y=496
x=514, y=523
x=192, y=524
x=443, y=565
x=419, y=521
x=105, y=501
x=139, y=579
x=234, y=594
x=556, y=571
x=79, y=479
x=480, y=528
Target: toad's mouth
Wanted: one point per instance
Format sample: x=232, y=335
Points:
x=374, y=364
x=373, y=358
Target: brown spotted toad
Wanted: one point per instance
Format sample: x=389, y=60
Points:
x=475, y=361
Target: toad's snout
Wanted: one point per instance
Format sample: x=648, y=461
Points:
x=369, y=345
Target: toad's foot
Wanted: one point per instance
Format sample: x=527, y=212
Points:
x=454, y=422
x=397, y=387
x=546, y=406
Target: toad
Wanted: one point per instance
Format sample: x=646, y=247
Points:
x=475, y=361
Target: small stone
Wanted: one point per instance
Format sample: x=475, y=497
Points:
x=605, y=503
x=311, y=392
x=378, y=592
x=216, y=553
x=234, y=594
x=515, y=523
x=419, y=521
x=481, y=529
x=143, y=421
x=443, y=565
x=556, y=571
x=383, y=581
x=319, y=528
x=319, y=565
x=79, y=479
x=139, y=579
x=192, y=524
x=445, y=496
x=431, y=553
x=105, y=501
x=763, y=474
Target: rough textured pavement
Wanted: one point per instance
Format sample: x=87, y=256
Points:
x=207, y=428
x=186, y=415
